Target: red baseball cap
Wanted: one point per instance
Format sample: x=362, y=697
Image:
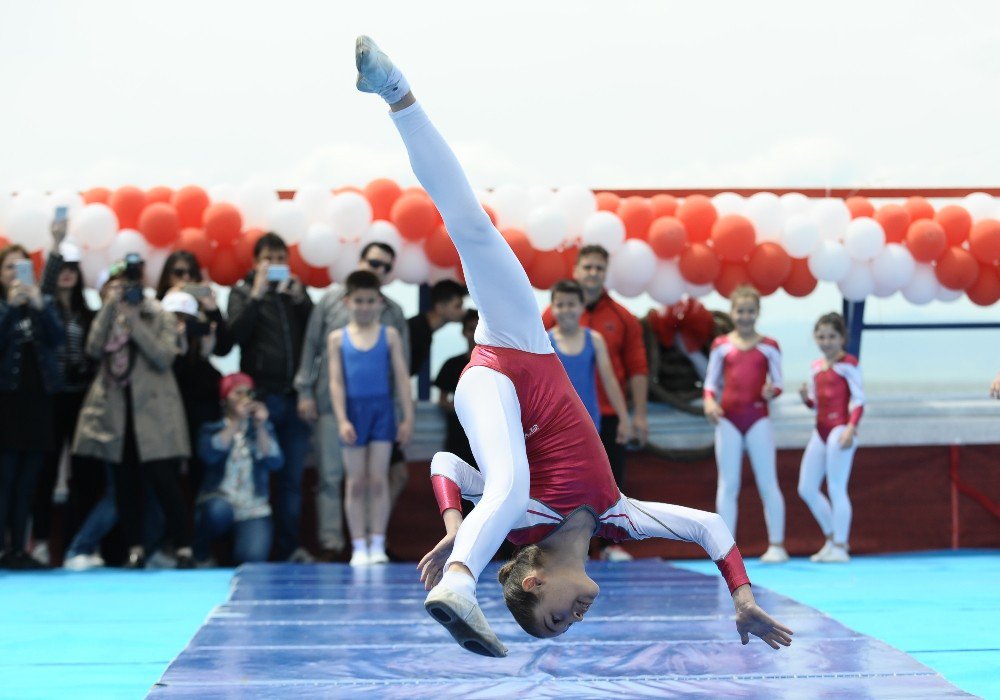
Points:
x=233, y=381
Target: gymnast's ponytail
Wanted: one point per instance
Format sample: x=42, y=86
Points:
x=520, y=602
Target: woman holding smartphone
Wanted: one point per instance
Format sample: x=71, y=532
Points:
x=31, y=333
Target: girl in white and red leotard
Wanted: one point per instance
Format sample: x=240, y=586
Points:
x=744, y=373
x=545, y=480
x=835, y=390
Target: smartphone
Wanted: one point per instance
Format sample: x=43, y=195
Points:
x=198, y=291
x=25, y=272
x=61, y=213
x=277, y=273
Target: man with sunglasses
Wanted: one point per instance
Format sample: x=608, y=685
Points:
x=315, y=407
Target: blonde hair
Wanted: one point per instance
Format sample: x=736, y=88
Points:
x=745, y=291
x=520, y=602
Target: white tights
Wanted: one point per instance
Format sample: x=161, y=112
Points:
x=759, y=445
x=828, y=459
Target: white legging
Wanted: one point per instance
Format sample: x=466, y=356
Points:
x=759, y=445
x=485, y=400
x=831, y=460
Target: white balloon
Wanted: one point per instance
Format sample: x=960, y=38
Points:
x=320, y=246
x=830, y=262
x=667, y=286
x=511, y=205
x=350, y=215
x=547, y=227
x=255, y=203
x=948, y=295
x=605, y=229
x=801, y=236
x=28, y=224
x=833, y=216
x=728, y=203
x=980, y=206
x=382, y=231
x=128, y=241
x=92, y=264
x=883, y=291
x=892, y=268
x=795, y=204
x=864, y=238
x=316, y=201
x=66, y=198
x=94, y=227
x=540, y=196
x=288, y=220
x=699, y=290
x=32, y=199
x=764, y=210
x=923, y=286
x=858, y=283
x=6, y=202
x=230, y=194
x=437, y=274
x=346, y=262
x=577, y=203
x=632, y=267
x=153, y=269
x=412, y=265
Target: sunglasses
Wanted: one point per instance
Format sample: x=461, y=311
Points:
x=181, y=272
x=379, y=265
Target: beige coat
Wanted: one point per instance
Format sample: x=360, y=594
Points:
x=157, y=409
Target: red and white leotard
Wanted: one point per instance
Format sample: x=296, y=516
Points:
x=836, y=393
x=740, y=375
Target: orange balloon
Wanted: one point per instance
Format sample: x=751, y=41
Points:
x=243, y=248
x=4, y=242
x=663, y=205
x=800, y=281
x=769, y=266
x=159, y=194
x=519, y=243
x=985, y=291
x=956, y=222
x=919, y=208
x=490, y=213
x=926, y=240
x=984, y=241
x=698, y=264
x=859, y=206
x=223, y=223
x=226, y=268
x=37, y=258
x=382, y=194
x=547, y=268
x=637, y=214
x=194, y=241
x=731, y=276
x=957, y=269
x=416, y=190
x=159, y=224
x=607, y=201
x=190, y=202
x=698, y=214
x=733, y=237
x=667, y=237
x=894, y=221
x=415, y=216
x=440, y=249
x=127, y=203
x=97, y=195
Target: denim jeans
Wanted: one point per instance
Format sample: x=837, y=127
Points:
x=99, y=521
x=214, y=518
x=293, y=438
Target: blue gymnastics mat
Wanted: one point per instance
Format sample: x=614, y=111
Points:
x=295, y=631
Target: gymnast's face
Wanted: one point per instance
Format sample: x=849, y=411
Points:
x=744, y=314
x=563, y=599
x=830, y=342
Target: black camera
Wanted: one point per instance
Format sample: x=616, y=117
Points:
x=196, y=328
x=132, y=292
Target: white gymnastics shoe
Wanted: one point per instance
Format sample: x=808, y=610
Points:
x=464, y=620
x=360, y=558
x=376, y=72
x=837, y=554
x=775, y=554
x=818, y=556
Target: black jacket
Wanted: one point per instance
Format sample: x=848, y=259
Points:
x=47, y=336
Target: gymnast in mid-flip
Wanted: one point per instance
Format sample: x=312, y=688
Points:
x=545, y=482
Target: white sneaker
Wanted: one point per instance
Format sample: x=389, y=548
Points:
x=79, y=562
x=40, y=552
x=835, y=555
x=96, y=561
x=615, y=553
x=818, y=556
x=376, y=72
x=360, y=558
x=378, y=557
x=775, y=554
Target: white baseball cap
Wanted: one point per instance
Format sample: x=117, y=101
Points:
x=180, y=303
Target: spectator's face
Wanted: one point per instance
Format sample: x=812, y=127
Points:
x=451, y=311
x=69, y=275
x=239, y=396
x=590, y=272
x=377, y=261
x=365, y=305
x=829, y=340
x=744, y=313
x=567, y=308
x=273, y=256
x=8, y=271
x=181, y=272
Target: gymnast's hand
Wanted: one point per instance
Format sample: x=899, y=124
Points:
x=432, y=565
x=750, y=619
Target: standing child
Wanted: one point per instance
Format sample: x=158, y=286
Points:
x=835, y=391
x=365, y=359
x=744, y=367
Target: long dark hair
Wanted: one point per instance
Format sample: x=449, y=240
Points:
x=77, y=303
x=177, y=256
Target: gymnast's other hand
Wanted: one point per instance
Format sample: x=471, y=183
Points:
x=750, y=619
x=347, y=432
x=432, y=565
x=713, y=411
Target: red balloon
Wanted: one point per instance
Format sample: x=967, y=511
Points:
x=984, y=241
x=415, y=216
x=159, y=224
x=956, y=222
x=637, y=214
x=190, y=202
x=382, y=194
x=97, y=195
x=663, y=205
x=4, y=242
x=411, y=190
x=926, y=240
x=223, y=223
x=731, y=276
x=490, y=213
x=570, y=254
x=919, y=208
x=733, y=237
x=159, y=194
x=859, y=206
x=698, y=264
x=319, y=277
x=440, y=249
x=894, y=221
x=698, y=214
x=769, y=266
x=127, y=203
x=957, y=269
x=800, y=281
x=243, y=248
x=226, y=268
x=37, y=258
x=546, y=269
x=985, y=291
x=667, y=237
x=519, y=243
x=194, y=241
x=607, y=201
x=766, y=290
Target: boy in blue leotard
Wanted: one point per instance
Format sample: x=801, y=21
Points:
x=366, y=359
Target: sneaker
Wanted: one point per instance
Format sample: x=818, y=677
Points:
x=775, y=554
x=835, y=555
x=615, y=553
x=376, y=72
x=464, y=620
x=360, y=558
x=96, y=561
x=378, y=557
x=818, y=556
x=79, y=562
x=136, y=560
x=301, y=556
x=40, y=552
